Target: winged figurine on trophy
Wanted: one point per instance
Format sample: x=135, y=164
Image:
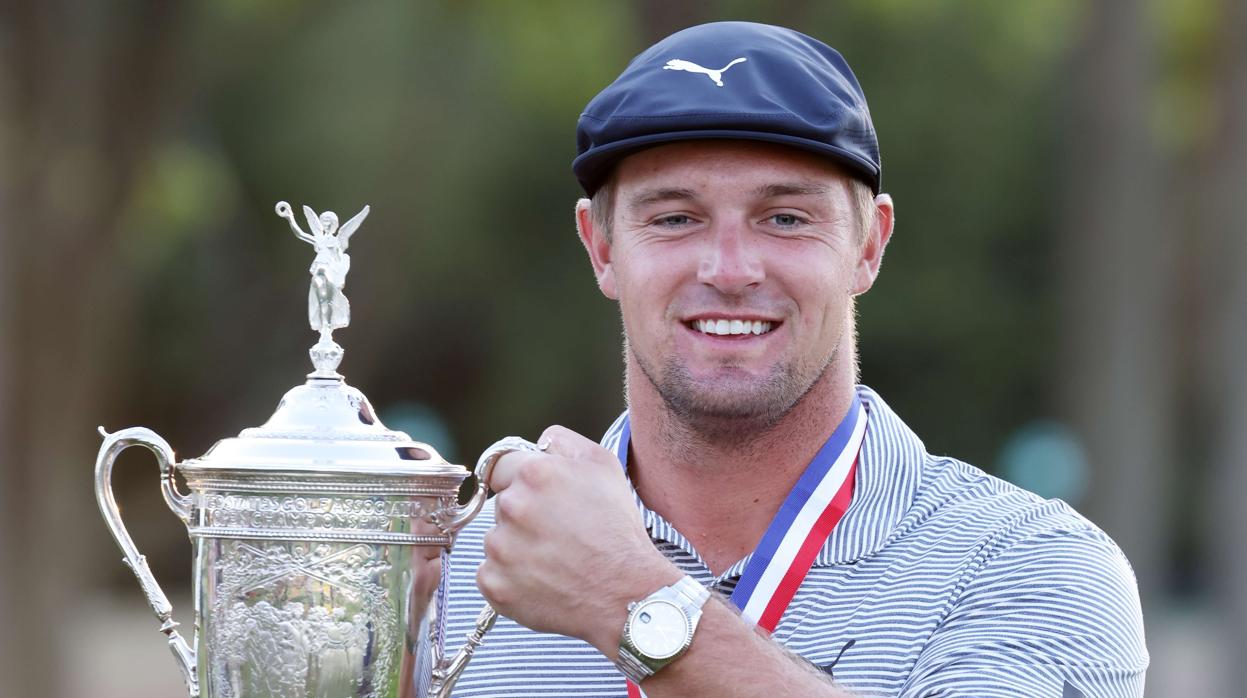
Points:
x=327, y=306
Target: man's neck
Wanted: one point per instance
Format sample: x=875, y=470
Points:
x=722, y=494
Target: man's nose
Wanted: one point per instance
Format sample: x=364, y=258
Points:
x=730, y=260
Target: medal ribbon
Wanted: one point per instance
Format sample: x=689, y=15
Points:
x=800, y=528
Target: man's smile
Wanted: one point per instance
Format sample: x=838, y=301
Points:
x=735, y=332
x=727, y=327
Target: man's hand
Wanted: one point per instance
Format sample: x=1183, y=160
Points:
x=569, y=550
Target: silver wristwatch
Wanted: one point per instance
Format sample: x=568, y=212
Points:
x=660, y=628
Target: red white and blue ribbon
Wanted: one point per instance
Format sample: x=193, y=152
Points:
x=800, y=528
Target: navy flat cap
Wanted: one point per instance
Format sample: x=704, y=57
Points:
x=730, y=80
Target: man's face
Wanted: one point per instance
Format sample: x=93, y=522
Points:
x=735, y=265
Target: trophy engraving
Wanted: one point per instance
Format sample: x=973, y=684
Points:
x=316, y=644
x=318, y=538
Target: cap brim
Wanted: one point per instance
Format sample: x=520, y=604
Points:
x=592, y=167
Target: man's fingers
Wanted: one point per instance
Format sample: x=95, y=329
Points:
x=556, y=444
x=561, y=441
x=507, y=467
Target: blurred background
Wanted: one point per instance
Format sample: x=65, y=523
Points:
x=1063, y=304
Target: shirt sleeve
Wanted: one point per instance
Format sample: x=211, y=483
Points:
x=1054, y=615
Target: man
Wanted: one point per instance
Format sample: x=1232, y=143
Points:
x=735, y=215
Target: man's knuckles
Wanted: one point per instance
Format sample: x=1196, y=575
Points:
x=508, y=468
x=569, y=444
x=497, y=553
x=563, y=439
x=494, y=587
x=538, y=473
x=512, y=507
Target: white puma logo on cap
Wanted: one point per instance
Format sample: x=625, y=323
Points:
x=715, y=75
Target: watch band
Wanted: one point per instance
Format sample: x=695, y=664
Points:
x=690, y=597
x=632, y=667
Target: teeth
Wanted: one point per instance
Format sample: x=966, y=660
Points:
x=732, y=327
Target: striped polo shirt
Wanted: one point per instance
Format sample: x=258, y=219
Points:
x=940, y=580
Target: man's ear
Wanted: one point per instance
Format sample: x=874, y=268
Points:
x=598, y=247
x=875, y=243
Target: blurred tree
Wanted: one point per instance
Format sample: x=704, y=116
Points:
x=85, y=90
x=1221, y=232
x=1117, y=365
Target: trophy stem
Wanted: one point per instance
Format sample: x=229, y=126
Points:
x=326, y=356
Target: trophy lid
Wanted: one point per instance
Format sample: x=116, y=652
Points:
x=325, y=427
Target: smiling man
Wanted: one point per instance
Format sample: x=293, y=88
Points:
x=756, y=522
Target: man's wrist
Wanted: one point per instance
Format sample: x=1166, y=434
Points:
x=643, y=579
x=660, y=628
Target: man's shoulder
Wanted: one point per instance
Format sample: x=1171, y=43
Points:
x=1037, y=575
x=953, y=487
x=947, y=492
x=1012, y=537
x=960, y=498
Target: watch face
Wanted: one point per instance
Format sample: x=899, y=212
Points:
x=658, y=629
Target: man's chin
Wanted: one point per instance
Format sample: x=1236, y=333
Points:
x=732, y=405
x=728, y=415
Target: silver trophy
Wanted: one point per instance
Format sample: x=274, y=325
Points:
x=319, y=539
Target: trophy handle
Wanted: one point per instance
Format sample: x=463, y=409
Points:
x=467, y=512
x=446, y=671
x=113, y=445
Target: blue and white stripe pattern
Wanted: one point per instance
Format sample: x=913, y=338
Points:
x=939, y=581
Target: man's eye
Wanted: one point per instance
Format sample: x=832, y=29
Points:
x=674, y=220
x=786, y=220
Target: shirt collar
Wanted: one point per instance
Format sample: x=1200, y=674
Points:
x=888, y=476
